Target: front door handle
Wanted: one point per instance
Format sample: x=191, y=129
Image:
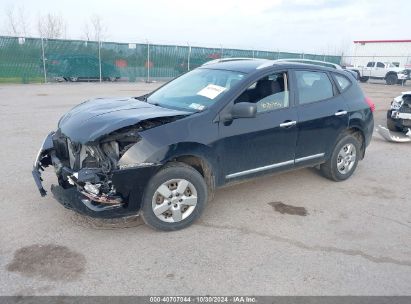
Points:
x=288, y=124
x=340, y=113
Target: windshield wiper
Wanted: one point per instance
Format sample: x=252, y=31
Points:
x=154, y=104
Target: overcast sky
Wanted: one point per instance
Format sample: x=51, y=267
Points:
x=318, y=26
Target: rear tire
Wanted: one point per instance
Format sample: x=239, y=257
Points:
x=391, y=79
x=344, y=159
x=164, y=207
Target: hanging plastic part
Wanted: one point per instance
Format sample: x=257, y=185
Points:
x=391, y=136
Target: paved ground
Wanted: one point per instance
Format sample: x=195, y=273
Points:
x=354, y=240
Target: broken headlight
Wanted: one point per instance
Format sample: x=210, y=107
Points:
x=397, y=103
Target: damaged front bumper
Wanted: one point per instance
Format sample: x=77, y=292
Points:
x=42, y=160
x=78, y=191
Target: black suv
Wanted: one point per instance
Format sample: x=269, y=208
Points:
x=162, y=155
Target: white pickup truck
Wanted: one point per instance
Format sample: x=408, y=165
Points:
x=382, y=70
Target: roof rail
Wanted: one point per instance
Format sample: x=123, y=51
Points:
x=228, y=59
x=302, y=60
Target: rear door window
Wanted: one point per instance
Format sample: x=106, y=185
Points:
x=313, y=86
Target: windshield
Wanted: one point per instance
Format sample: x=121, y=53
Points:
x=196, y=90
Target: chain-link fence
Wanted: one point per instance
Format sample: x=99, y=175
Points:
x=24, y=60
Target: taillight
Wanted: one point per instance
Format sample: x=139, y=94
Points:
x=370, y=103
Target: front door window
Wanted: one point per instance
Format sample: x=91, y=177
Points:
x=268, y=93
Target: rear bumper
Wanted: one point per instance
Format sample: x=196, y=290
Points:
x=129, y=183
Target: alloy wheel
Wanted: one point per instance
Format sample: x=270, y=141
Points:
x=174, y=200
x=346, y=158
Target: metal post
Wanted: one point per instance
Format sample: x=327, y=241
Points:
x=253, y=54
x=188, y=57
x=222, y=51
x=44, y=61
x=99, y=57
x=148, y=61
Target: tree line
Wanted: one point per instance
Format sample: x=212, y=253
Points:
x=51, y=26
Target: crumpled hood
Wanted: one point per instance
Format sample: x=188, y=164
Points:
x=98, y=117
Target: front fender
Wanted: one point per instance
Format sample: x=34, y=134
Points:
x=146, y=153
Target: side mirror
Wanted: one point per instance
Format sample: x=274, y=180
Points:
x=243, y=110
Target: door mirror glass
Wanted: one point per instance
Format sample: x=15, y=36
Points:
x=243, y=110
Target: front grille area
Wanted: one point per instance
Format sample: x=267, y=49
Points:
x=405, y=109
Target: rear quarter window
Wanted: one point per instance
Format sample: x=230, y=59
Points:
x=342, y=82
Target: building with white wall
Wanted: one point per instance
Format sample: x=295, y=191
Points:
x=396, y=51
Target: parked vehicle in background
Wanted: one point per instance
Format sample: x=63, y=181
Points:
x=398, y=120
x=322, y=63
x=399, y=115
x=163, y=154
x=382, y=70
x=79, y=68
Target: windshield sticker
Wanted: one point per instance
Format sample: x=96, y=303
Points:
x=211, y=91
x=197, y=106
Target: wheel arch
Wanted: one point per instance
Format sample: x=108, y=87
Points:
x=358, y=132
x=202, y=166
x=201, y=158
x=390, y=73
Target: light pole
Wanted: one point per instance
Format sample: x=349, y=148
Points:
x=188, y=57
x=148, y=62
x=99, y=57
x=44, y=60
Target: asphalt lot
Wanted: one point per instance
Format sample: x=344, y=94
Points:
x=354, y=240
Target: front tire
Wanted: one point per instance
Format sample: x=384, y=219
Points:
x=174, y=198
x=344, y=159
x=364, y=78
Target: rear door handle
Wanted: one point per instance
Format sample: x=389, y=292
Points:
x=288, y=124
x=340, y=113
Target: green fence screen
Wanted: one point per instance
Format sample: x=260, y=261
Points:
x=25, y=60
